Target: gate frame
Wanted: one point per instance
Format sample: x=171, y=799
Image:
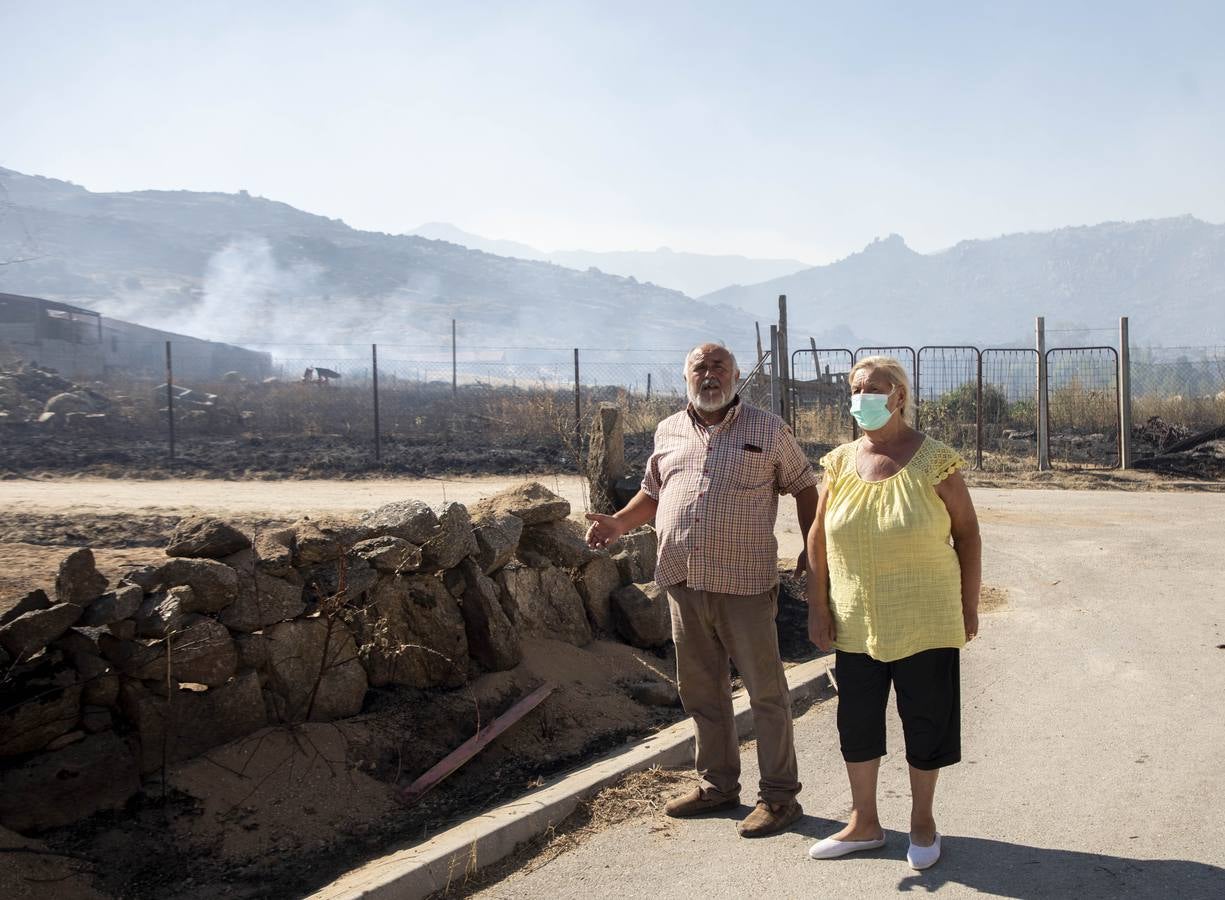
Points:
x=1036, y=355
x=978, y=394
x=816, y=352
x=1118, y=423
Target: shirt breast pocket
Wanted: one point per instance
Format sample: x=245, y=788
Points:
x=755, y=469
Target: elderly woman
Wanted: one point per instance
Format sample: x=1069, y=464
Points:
x=895, y=600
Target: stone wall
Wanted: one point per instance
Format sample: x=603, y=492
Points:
x=103, y=686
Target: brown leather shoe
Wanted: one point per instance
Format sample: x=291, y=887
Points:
x=695, y=803
x=769, y=818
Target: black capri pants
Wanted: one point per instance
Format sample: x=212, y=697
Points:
x=928, y=687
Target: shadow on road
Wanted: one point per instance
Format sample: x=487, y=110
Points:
x=1015, y=870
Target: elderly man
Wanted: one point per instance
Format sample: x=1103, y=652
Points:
x=712, y=485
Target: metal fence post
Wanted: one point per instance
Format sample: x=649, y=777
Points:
x=170, y=399
x=784, y=360
x=374, y=374
x=454, y=369
x=774, y=386
x=1044, y=422
x=978, y=414
x=648, y=387
x=578, y=415
x=1124, y=395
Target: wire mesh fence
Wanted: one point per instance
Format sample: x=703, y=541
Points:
x=1179, y=386
x=303, y=409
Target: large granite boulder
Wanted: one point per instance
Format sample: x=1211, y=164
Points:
x=596, y=581
x=640, y=613
x=411, y=632
x=79, y=580
x=492, y=639
x=274, y=550
x=636, y=555
x=497, y=535
x=200, y=652
x=206, y=538
x=114, y=606
x=339, y=581
x=162, y=613
x=186, y=723
x=32, y=631
x=28, y=602
x=81, y=652
x=410, y=520
x=214, y=585
x=325, y=539
x=544, y=603
x=262, y=599
x=313, y=671
x=563, y=543
x=36, y=715
x=58, y=788
x=452, y=540
x=389, y=555
x=531, y=502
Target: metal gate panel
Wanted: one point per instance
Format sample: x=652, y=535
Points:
x=948, y=397
x=1082, y=401
x=1009, y=408
x=820, y=396
x=905, y=355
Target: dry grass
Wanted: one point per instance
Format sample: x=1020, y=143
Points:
x=1195, y=413
x=639, y=795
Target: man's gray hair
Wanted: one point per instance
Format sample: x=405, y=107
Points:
x=703, y=346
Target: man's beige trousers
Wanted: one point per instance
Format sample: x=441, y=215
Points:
x=708, y=628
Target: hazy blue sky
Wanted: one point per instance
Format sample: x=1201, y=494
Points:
x=781, y=129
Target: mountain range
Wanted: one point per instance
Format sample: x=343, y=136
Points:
x=690, y=273
x=1166, y=275
x=251, y=270
x=245, y=269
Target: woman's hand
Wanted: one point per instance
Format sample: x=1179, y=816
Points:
x=971, y=622
x=604, y=530
x=821, y=630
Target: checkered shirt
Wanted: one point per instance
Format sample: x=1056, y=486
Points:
x=718, y=498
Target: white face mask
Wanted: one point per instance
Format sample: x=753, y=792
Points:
x=871, y=411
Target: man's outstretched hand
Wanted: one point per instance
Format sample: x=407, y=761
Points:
x=604, y=530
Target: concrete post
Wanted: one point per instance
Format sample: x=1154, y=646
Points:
x=784, y=363
x=1044, y=424
x=774, y=385
x=1124, y=395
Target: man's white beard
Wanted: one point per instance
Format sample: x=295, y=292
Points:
x=701, y=404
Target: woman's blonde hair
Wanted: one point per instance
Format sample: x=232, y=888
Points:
x=897, y=375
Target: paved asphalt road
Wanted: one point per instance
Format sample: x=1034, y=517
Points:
x=1094, y=735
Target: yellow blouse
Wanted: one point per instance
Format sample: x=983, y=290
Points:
x=895, y=582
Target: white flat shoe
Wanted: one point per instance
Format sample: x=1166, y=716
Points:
x=831, y=848
x=921, y=858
